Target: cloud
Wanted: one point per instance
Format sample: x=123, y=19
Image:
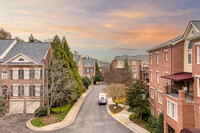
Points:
x=122, y=49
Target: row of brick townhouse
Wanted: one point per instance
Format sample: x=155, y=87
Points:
x=22, y=67
x=138, y=64
x=88, y=67
x=174, y=80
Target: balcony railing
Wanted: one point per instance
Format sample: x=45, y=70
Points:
x=173, y=91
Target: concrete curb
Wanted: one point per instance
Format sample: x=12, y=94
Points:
x=121, y=121
x=67, y=120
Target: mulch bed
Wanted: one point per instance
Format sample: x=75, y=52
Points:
x=49, y=120
x=115, y=109
x=139, y=122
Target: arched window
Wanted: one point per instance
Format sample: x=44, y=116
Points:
x=21, y=59
x=190, y=53
x=4, y=75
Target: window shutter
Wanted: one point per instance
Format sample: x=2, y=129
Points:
x=29, y=74
x=33, y=90
x=40, y=74
x=11, y=74
x=18, y=90
x=22, y=74
x=41, y=91
x=33, y=74
x=19, y=74
x=11, y=93
x=22, y=90
x=29, y=90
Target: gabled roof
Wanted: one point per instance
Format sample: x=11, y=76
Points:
x=195, y=23
x=4, y=44
x=34, y=51
x=90, y=62
x=77, y=59
x=197, y=35
x=166, y=43
x=137, y=57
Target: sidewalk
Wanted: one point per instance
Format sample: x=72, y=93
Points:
x=67, y=120
x=123, y=117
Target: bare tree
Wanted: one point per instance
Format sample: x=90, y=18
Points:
x=58, y=85
x=118, y=76
x=4, y=34
x=116, y=91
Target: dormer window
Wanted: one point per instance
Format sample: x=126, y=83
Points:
x=21, y=59
x=190, y=53
x=192, y=31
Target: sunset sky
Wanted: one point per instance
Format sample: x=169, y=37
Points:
x=100, y=28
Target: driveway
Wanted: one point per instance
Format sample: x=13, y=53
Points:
x=92, y=118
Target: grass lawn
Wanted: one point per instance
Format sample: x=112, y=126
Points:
x=37, y=122
x=115, y=109
x=143, y=124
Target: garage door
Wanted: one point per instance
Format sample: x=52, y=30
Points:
x=32, y=105
x=16, y=106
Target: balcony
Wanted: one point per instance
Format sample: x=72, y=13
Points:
x=173, y=92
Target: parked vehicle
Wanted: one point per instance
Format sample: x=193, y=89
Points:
x=102, y=98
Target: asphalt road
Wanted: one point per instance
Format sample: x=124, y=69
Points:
x=91, y=118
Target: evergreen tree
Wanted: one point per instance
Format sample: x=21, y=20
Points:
x=136, y=100
x=160, y=126
x=127, y=67
x=97, y=71
x=62, y=51
x=31, y=38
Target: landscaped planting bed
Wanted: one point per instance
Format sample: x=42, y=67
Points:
x=115, y=109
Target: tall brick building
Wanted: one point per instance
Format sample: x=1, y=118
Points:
x=22, y=67
x=174, y=80
x=138, y=64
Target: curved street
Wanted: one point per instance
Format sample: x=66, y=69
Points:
x=93, y=118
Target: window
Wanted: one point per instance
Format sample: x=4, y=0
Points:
x=198, y=54
x=134, y=75
x=15, y=90
x=157, y=77
x=91, y=70
x=160, y=97
x=190, y=52
x=152, y=110
x=133, y=69
x=152, y=92
x=88, y=70
x=21, y=59
x=26, y=73
x=133, y=62
x=37, y=73
x=159, y=112
x=26, y=90
x=198, y=87
x=172, y=110
x=15, y=74
x=166, y=55
x=150, y=59
x=37, y=90
x=166, y=80
x=151, y=75
x=157, y=58
x=4, y=75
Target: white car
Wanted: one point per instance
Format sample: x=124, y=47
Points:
x=102, y=98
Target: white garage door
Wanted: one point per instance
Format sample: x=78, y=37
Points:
x=32, y=105
x=16, y=106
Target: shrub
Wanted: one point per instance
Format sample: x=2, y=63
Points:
x=160, y=125
x=2, y=106
x=40, y=111
x=152, y=122
x=56, y=110
x=96, y=79
x=146, y=115
x=86, y=82
x=135, y=115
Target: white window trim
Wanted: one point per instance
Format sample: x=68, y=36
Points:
x=26, y=85
x=152, y=96
x=157, y=58
x=15, y=85
x=26, y=69
x=153, y=110
x=198, y=49
x=157, y=78
x=159, y=112
x=158, y=96
x=166, y=57
x=37, y=85
x=166, y=80
x=169, y=113
x=15, y=69
x=187, y=57
x=198, y=88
